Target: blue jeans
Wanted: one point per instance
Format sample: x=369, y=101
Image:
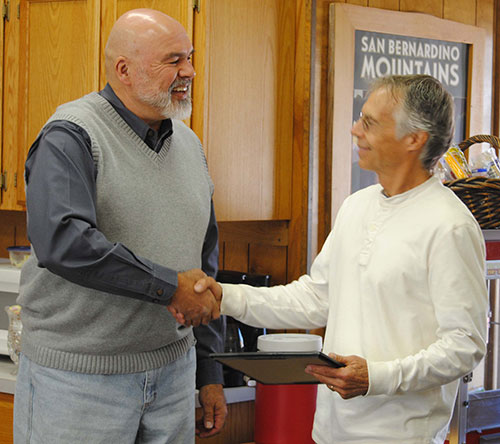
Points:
x=59, y=407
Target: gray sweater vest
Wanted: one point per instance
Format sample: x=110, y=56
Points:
x=157, y=205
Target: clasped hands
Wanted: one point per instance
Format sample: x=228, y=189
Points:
x=196, y=300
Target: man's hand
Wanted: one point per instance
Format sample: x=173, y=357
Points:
x=203, y=285
x=214, y=407
x=190, y=307
x=209, y=283
x=349, y=381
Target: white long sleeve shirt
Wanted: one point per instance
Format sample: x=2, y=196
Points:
x=400, y=282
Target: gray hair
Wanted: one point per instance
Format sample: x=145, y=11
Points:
x=423, y=105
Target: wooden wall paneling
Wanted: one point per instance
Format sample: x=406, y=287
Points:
x=266, y=232
x=236, y=256
x=288, y=37
x=21, y=229
x=237, y=239
x=433, y=7
x=318, y=331
x=462, y=11
x=485, y=10
x=7, y=232
x=320, y=128
x=298, y=249
x=239, y=427
x=10, y=99
x=357, y=2
x=266, y=259
x=485, y=16
x=6, y=418
x=12, y=230
x=221, y=255
x=384, y=4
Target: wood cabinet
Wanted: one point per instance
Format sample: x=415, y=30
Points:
x=1, y=106
x=51, y=57
x=243, y=94
x=249, y=98
x=9, y=107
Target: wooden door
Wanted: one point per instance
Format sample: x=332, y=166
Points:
x=58, y=61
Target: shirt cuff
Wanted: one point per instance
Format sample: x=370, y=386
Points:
x=209, y=372
x=233, y=303
x=163, y=285
x=384, y=378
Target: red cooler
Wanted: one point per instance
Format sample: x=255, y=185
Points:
x=284, y=414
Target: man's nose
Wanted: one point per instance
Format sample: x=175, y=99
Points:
x=355, y=128
x=187, y=70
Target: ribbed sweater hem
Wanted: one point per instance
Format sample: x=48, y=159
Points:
x=107, y=364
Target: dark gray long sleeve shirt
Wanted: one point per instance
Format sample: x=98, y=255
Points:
x=62, y=154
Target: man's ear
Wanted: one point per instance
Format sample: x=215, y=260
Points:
x=415, y=141
x=122, y=70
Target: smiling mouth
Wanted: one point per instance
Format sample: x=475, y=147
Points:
x=181, y=89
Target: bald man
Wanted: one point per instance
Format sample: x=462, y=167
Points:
x=121, y=220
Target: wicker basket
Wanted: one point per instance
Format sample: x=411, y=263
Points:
x=480, y=194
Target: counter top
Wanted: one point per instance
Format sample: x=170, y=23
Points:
x=8, y=372
x=9, y=277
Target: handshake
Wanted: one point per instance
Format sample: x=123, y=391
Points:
x=196, y=300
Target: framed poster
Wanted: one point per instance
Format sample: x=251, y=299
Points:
x=366, y=43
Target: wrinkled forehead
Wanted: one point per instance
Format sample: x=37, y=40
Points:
x=143, y=32
x=381, y=105
x=160, y=44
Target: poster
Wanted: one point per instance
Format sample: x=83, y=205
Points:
x=379, y=54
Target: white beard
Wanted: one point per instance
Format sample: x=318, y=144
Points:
x=162, y=100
